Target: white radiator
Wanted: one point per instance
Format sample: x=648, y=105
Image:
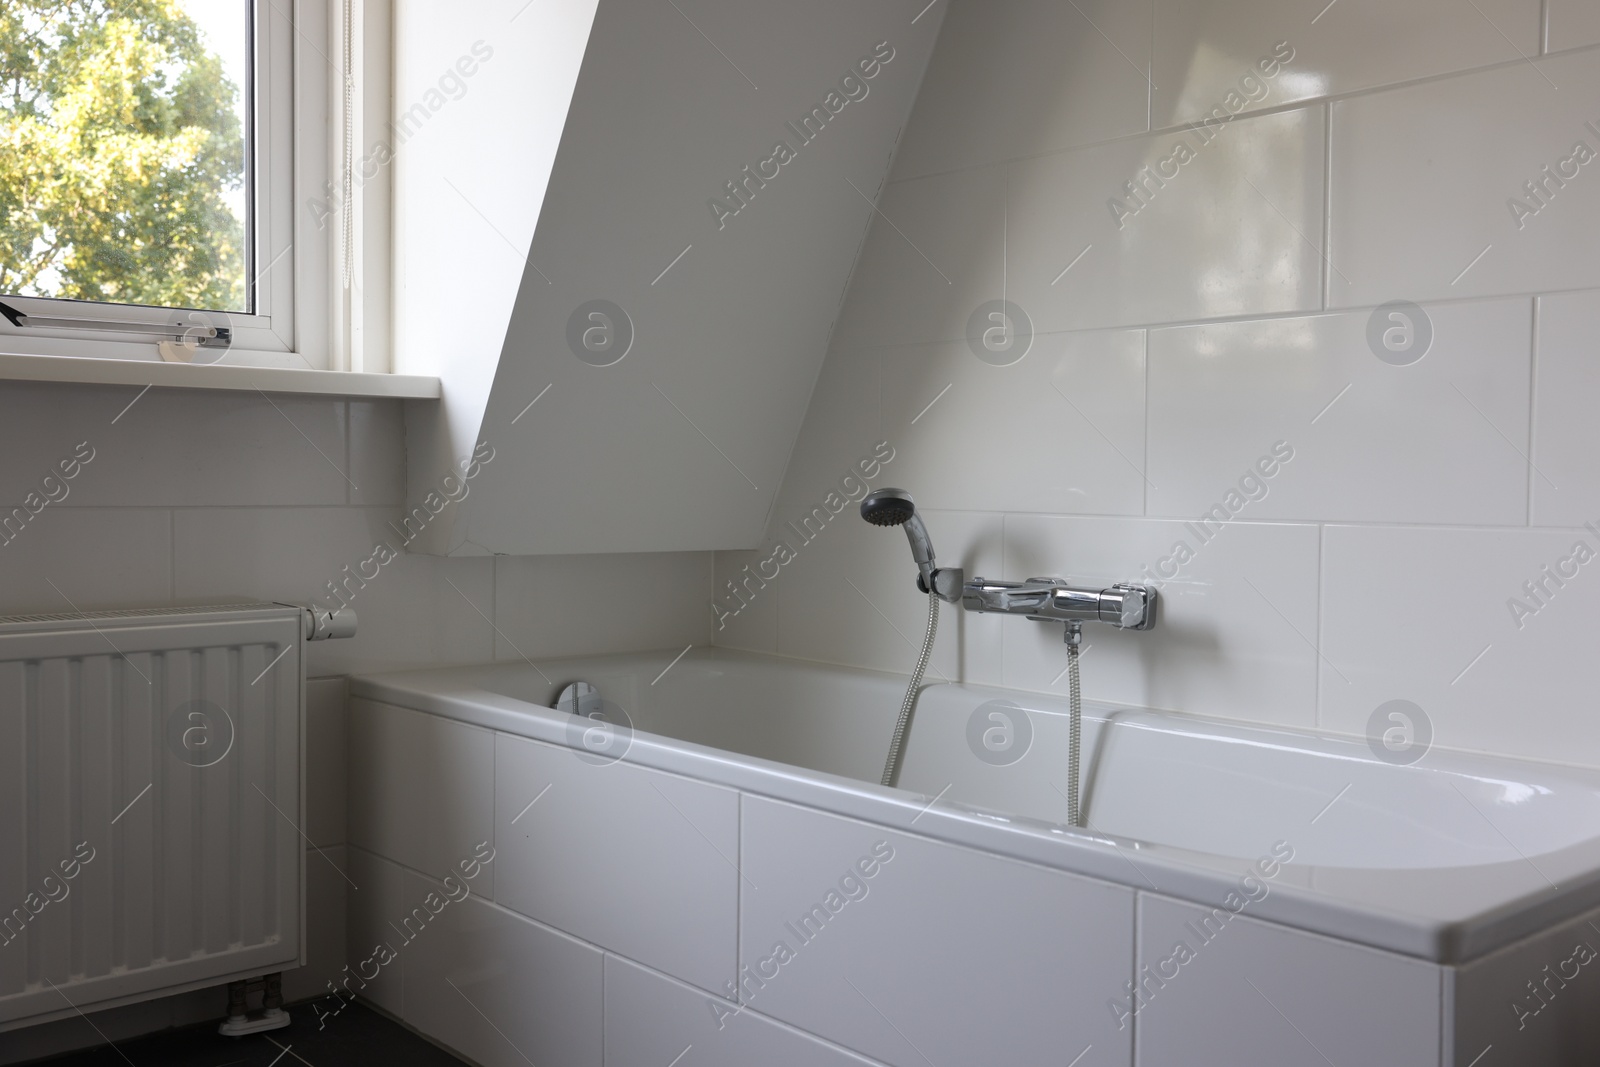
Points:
x=150, y=804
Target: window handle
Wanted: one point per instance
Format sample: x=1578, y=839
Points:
x=199, y=333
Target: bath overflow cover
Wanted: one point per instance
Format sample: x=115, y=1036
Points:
x=599, y=731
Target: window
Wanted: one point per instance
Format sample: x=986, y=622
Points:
x=148, y=170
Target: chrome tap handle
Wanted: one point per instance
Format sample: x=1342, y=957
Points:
x=1128, y=607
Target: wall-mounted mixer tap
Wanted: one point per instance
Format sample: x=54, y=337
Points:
x=1127, y=607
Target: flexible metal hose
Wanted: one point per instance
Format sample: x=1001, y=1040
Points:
x=891, y=766
x=1074, y=733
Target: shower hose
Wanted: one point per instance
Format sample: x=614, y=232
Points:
x=891, y=766
x=1074, y=731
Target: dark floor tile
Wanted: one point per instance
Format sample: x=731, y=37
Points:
x=356, y=1037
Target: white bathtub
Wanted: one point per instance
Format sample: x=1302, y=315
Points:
x=1330, y=907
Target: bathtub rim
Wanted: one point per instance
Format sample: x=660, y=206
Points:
x=1359, y=914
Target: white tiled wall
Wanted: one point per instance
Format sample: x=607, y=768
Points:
x=1228, y=310
x=215, y=496
x=208, y=497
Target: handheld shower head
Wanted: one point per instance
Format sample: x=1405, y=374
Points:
x=888, y=507
x=894, y=507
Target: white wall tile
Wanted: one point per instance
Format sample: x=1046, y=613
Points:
x=326, y=931
x=377, y=453
x=1260, y=993
x=176, y=447
x=88, y=557
x=1566, y=436
x=376, y=903
x=1205, y=49
x=582, y=605
x=1483, y=682
x=641, y=863
x=650, y=1019
x=217, y=457
x=407, y=613
x=1555, y=1022
x=500, y=990
x=750, y=620
x=851, y=597
x=1423, y=179
x=1441, y=440
x=1011, y=78
x=1068, y=417
x=1234, y=231
x=1235, y=627
x=421, y=787
x=942, y=952
x=422, y=610
x=43, y=428
x=1573, y=24
x=326, y=758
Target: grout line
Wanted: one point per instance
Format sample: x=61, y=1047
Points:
x=1005, y=568
x=1244, y=318
x=349, y=416
x=1295, y=105
x=1144, y=460
x=1005, y=236
x=738, y=899
x=1106, y=516
x=1327, y=206
x=494, y=607
x=777, y=619
x=1133, y=967
x=1150, y=74
x=1316, y=697
x=1533, y=406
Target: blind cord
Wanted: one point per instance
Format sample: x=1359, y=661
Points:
x=349, y=161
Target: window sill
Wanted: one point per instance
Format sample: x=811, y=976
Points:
x=216, y=376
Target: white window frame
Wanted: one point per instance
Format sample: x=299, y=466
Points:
x=291, y=141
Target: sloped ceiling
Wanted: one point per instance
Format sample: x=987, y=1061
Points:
x=644, y=389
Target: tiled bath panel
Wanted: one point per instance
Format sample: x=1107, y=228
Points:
x=750, y=927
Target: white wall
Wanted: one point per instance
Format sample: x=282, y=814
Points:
x=718, y=298
x=1224, y=315
x=481, y=93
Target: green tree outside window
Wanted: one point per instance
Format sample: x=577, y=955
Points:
x=120, y=144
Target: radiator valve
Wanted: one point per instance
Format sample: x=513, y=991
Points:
x=324, y=624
